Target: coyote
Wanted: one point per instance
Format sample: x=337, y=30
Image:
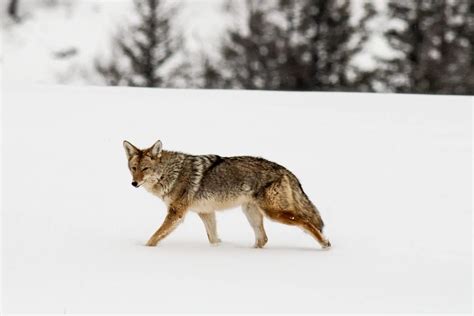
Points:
x=207, y=183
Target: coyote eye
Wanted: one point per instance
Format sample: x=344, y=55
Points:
x=146, y=168
x=133, y=168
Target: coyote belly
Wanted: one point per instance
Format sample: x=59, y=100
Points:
x=210, y=205
x=209, y=183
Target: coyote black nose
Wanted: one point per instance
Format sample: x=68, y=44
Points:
x=135, y=184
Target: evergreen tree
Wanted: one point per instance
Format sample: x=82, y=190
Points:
x=435, y=42
x=212, y=76
x=296, y=45
x=140, y=53
x=331, y=34
x=12, y=10
x=250, y=56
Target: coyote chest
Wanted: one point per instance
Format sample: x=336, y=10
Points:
x=153, y=189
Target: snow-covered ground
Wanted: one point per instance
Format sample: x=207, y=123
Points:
x=391, y=175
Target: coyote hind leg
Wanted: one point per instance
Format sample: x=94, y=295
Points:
x=291, y=218
x=255, y=219
x=284, y=201
x=209, y=220
x=316, y=233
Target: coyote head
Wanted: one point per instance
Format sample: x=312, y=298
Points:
x=143, y=164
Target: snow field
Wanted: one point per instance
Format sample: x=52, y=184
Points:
x=391, y=175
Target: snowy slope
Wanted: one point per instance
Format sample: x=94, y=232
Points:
x=391, y=175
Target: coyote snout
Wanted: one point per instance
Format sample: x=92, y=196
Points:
x=208, y=183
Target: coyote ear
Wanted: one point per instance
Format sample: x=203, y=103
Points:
x=130, y=149
x=156, y=149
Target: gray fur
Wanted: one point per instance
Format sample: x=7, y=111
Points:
x=206, y=183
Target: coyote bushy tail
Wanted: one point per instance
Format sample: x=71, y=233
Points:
x=304, y=203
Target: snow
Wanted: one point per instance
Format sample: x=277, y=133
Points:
x=391, y=175
x=32, y=48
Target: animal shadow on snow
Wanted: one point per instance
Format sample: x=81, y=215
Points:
x=187, y=246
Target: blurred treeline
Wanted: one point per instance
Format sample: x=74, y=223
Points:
x=302, y=45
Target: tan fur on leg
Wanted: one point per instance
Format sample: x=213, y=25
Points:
x=313, y=231
x=255, y=219
x=172, y=220
x=209, y=220
x=293, y=218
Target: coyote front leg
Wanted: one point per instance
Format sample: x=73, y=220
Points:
x=174, y=217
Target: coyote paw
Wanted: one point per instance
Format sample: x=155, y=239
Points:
x=326, y=244
x=260, y=243
x=151, y=243
x=215, y=242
